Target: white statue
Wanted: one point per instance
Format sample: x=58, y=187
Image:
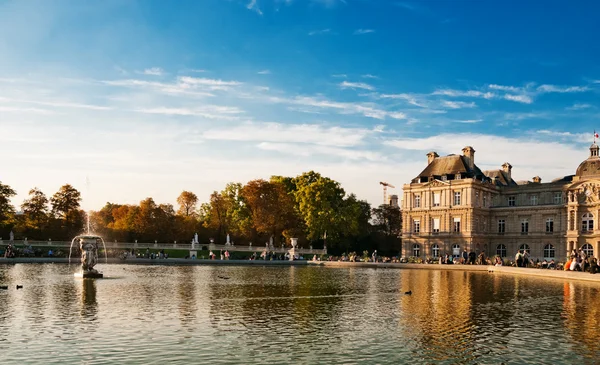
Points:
x=12, y=236
x=227, y=242
x=196, y=238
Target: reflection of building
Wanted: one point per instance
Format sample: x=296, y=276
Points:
x=452, y=206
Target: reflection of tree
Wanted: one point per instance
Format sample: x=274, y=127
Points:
x=186, y=290
x=581, y=315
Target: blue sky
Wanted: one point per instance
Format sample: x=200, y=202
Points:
x=148, y=98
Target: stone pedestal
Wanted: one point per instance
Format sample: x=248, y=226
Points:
x=292, y=251
x=193, y=254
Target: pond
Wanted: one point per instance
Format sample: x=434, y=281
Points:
x=279, y=315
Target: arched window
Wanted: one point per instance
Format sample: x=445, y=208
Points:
x=501, y=250
x=455, y=251
x=416, y=250
x=549, y=251
x=524, y=247
x=588, y=250
x=587, y=222
x=435, y=250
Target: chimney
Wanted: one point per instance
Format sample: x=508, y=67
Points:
x=469, y=154
x=431, y=156
x=507, y=168
x=537, y=179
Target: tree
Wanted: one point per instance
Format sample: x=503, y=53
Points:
x=187, y=203
x=65, y=206
x=271, y=207
x=7, y=211
x=387, y=220
x=35, y=210
x=320, y=201
x=214, y=214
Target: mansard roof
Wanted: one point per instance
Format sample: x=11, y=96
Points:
x=451, y=165
x=500, y=177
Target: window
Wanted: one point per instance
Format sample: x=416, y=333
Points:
x=588, y=250
x=557, y=198
x=417, y=226
x=485, y=201
x=524, y=226
x=524, y=248
x=417, y=200
x=587, y=222
x=436, y=225
x=572, y=221
x=477, y=198
x=549, y=251
x=444, y=178
x=476, y=225
x=511, y=201
x=457, y=177
x=501, y=250
x=416, y=250
x=533, y=199
x=457, y=198
x=501, y=226
x=436, y=199
x=456, y=251
x=435, y=250
x=456, y=227
x=549, y=225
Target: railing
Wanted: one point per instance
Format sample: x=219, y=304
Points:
x=174, y=245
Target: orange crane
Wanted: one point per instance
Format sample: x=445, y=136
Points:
x=385, y=186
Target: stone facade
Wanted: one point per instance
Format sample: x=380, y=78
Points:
x=453, y=206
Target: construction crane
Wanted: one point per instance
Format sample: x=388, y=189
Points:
x=385, y=186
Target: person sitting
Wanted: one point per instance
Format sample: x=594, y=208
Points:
x=544, y=264
x=552, y=264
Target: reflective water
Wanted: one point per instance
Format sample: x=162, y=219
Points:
x=278, y=315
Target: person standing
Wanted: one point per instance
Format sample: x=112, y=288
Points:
x=374, y=256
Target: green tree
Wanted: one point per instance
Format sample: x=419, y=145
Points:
x=320, y=201
x=7, y=211
x=387, y=220
x=35, y=210
x=65, y=206
x=187, y=203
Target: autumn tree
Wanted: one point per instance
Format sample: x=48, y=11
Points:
x=271, y=207
x=65, y=206
x=7, y=211
x=35, y=210
x=187, y=204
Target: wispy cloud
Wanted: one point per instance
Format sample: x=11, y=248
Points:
x=154, y=71
x=525, y=99
x=457, y=104
x=363, y=31
x=369, y=76
x=579, y=106
x=206, y=111
x=297, y=149
x=298, y=133
x=465, y=93
x=469, y=121
x=562, y=89
x=264, y=72
x=356, y=85
x=20, y=110
x=514, y=89
x=56, y=104
x=342, y=76
x=321, y=31
x=252, y=5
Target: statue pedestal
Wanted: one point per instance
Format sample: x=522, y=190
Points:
x=193, y=254
x=292, y=251
x=89, y=275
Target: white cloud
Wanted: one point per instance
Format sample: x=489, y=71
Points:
x=369, y=76
x=56, y=104
x=514, y=89
x=322, y=31
x=469, y=121
x=579, y=106
x=340, y=75
x=206, y=111
x=290, y=133
x=12, y=109
x=301, y=150
x=154, y=71
x=252, y=5
x=264, y=72
x=467, y=93
x=366, y=109
x=519, y=98
x=457, y=104
x=561, y=89
x=363, y=31
x=356, y=85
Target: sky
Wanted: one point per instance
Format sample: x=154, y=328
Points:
x=133, y=99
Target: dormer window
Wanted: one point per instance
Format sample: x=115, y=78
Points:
x=444, y=178
x=458, y=177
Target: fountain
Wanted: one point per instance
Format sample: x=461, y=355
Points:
x=88, y=244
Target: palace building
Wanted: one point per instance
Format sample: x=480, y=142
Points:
x=453, y=206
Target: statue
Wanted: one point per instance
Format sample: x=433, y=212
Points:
x=89, y=256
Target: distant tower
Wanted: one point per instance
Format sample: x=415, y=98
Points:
x=393, y=201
